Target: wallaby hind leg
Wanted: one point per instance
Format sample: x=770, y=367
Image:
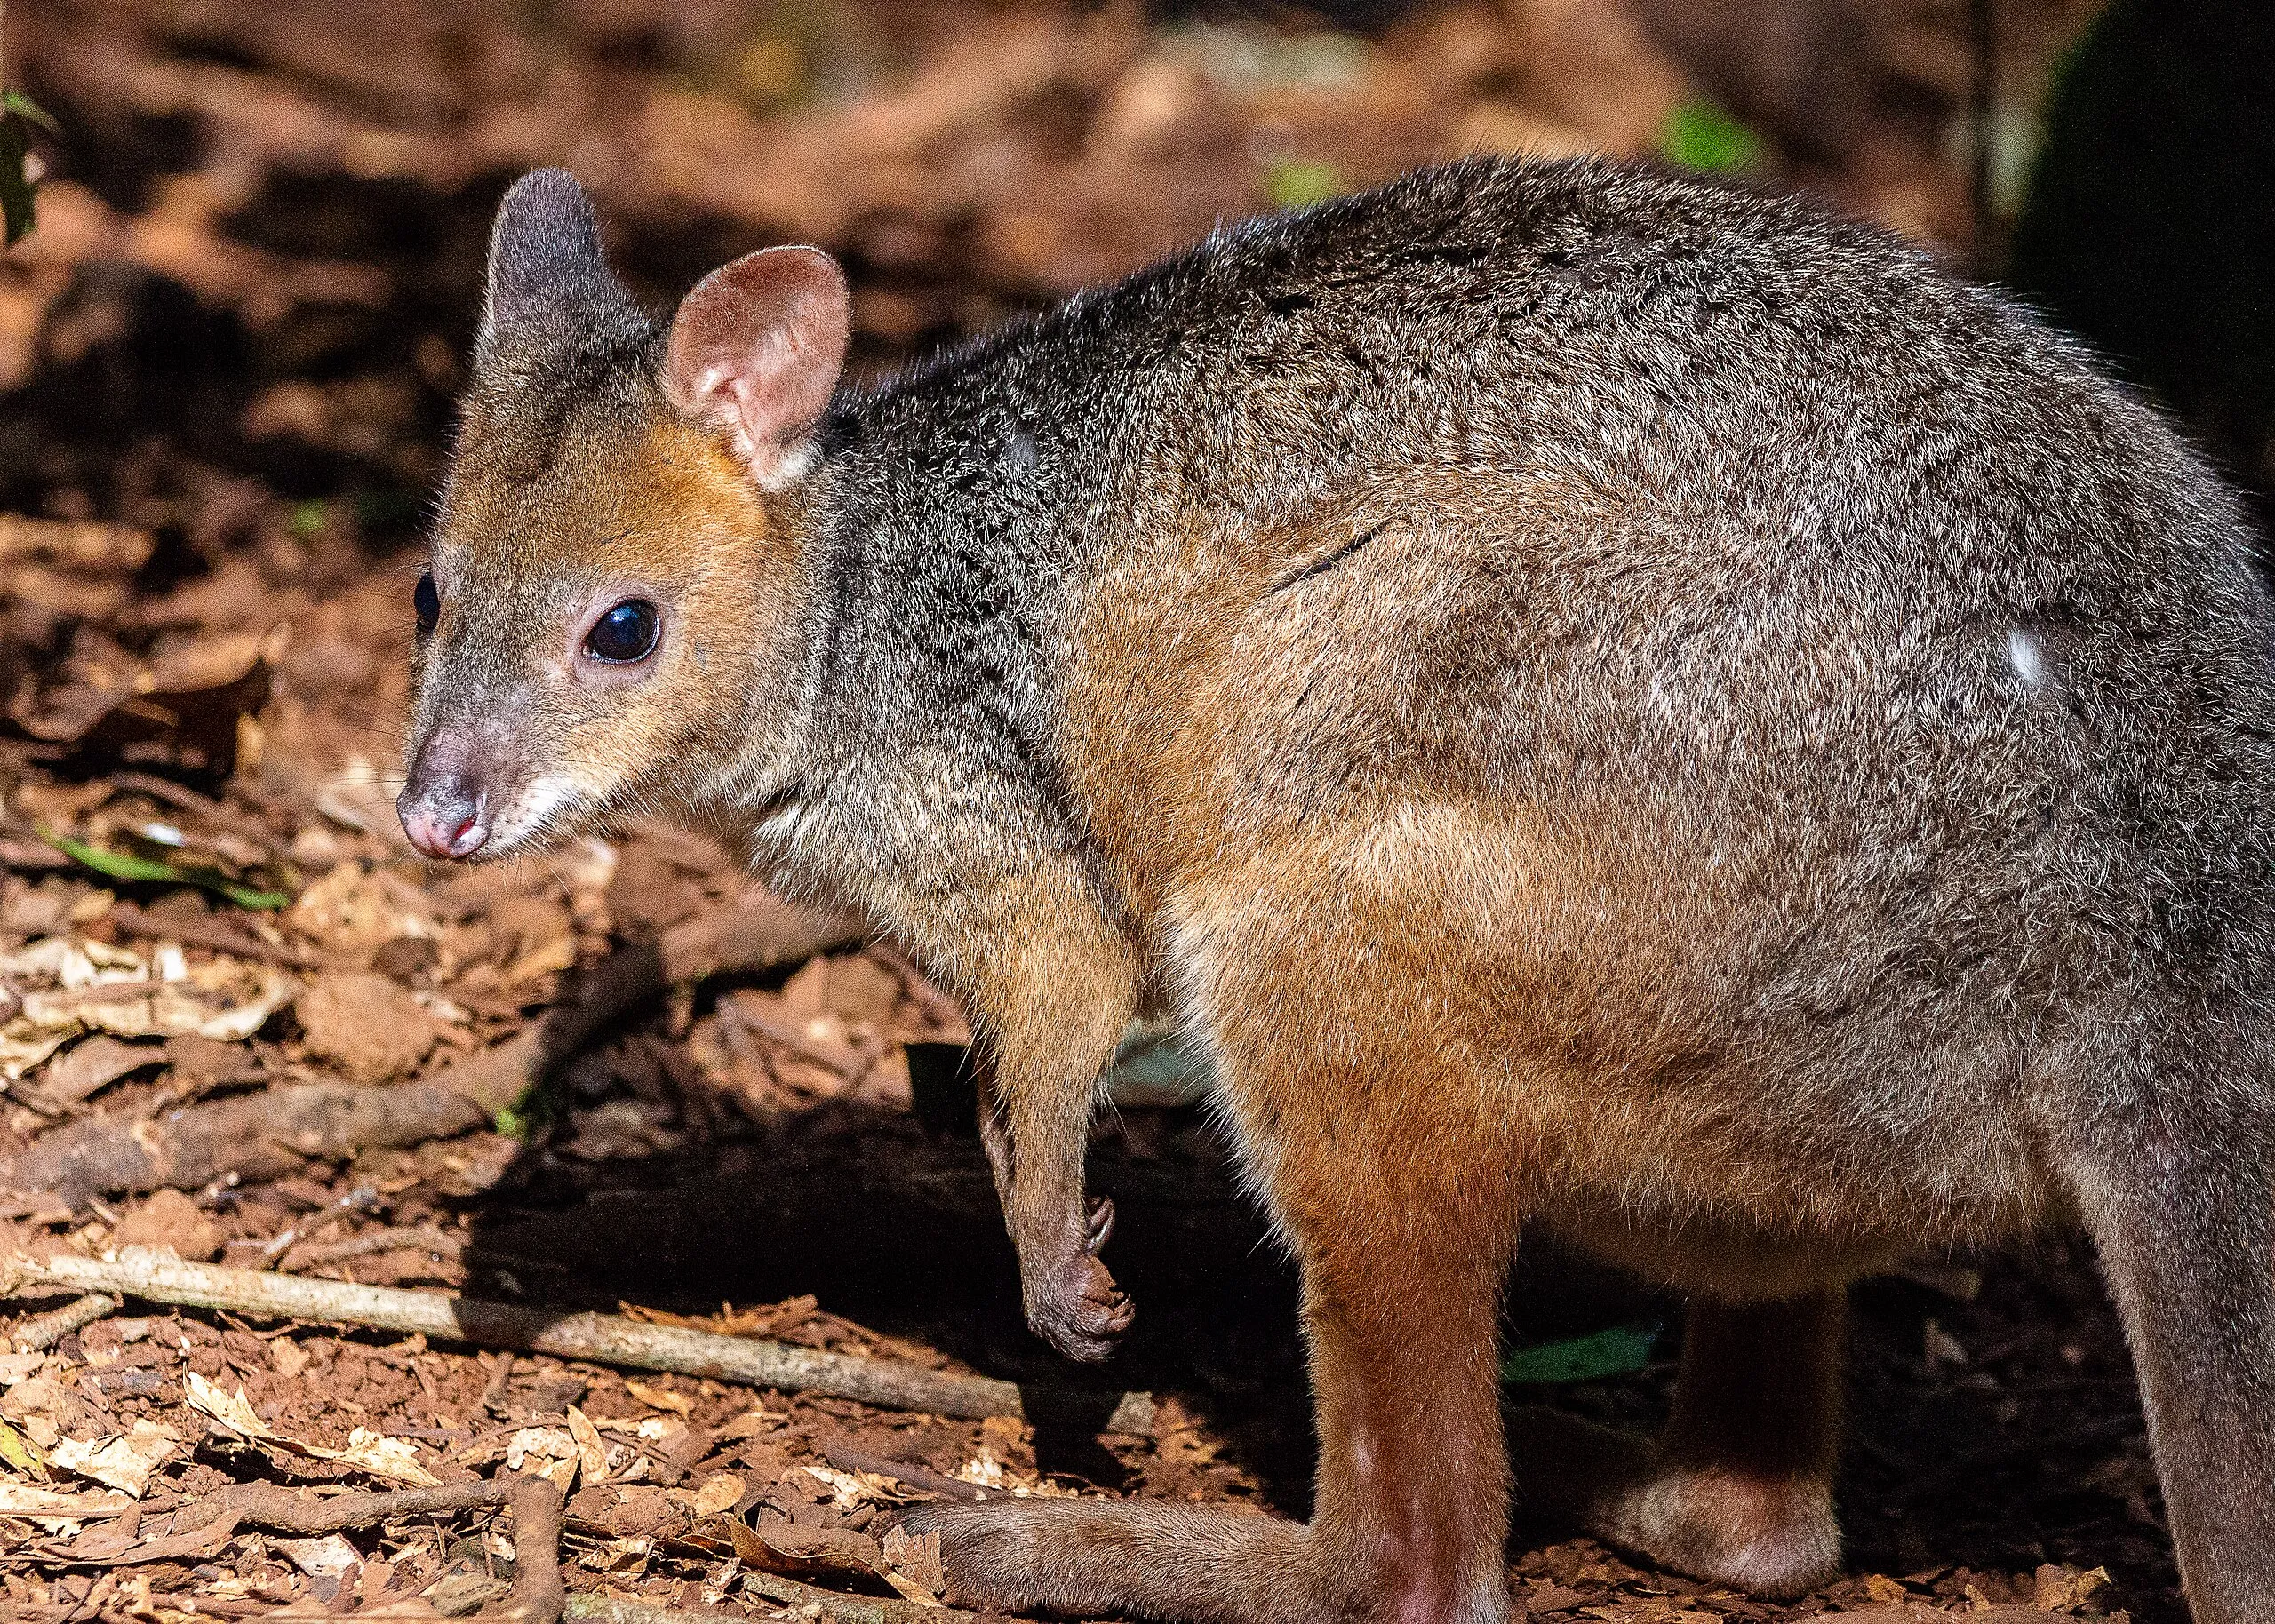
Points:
x=2183, y=1211
x=1739, y=1486
x=1402, y=1288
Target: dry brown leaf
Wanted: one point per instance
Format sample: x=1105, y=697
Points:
x=122, y=1463
x=659, y=1399
x=93, y=1064
x=382, y=1457
x=550, y=1452
x=915, y=1558
x=719, y=1492
x=60, y=1510
x=355, y=910
x=2065, y=1589
x=70, y=985
x=329, y=1556
x=185, y=712
x=592, y=1453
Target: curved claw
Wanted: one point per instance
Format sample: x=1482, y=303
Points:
x=1101, y=1224
x=1080, y=1311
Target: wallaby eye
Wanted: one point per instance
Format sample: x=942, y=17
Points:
x=626, y=633
x=426, y=602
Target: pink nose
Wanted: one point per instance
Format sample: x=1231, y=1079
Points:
x=452, y=830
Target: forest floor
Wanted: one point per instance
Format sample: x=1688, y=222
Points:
x=226, y=362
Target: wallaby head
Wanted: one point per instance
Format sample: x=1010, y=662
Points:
x=614, y=598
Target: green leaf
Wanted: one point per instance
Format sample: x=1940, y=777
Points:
x=17, y=206
x=126, y=865
x=1583, y=1359
x=17, y=1450
x=537, y=1108
x=1296, y=183
x=1703, y=137
x=24, y=107
x=17, y=203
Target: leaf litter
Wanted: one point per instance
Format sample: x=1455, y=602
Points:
x=208, y=546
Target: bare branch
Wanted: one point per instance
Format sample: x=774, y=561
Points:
x=604, y=1339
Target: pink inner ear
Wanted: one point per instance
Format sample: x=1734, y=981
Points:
x=756, y=349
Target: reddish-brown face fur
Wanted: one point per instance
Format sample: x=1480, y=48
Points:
x=528, y=552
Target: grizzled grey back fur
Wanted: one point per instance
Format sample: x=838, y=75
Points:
x=1889, y=548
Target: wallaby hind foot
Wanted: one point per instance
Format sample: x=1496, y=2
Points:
x=1738, y=1489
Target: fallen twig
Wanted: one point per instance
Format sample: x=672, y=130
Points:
x=845, y=1457
x=422, y=1238
x=846, y=1609
x=535, y=1597
x=598, y=1607
x=45, y=1329
x=362, y=1196
x=595, y=1607
x=266, y=1134
x=255, y=1137
x=604, y=1339
x=199, y=930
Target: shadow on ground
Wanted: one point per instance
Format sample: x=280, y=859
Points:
x=1991, y=1435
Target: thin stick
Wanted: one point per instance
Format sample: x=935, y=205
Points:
x=45, y=1329
x=846, y=1609
x=846, y=1457
x=604, y=1339
x=599, y=1607
x=424, y=1238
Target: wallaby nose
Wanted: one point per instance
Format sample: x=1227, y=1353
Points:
x=443, y=816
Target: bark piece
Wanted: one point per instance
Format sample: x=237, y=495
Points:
x=369, y=1027
x=171, y=1222
x=45, y=1329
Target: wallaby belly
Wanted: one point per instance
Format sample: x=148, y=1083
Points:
x=1734, y=901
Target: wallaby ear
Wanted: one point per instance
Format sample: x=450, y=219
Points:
x=756, y=350
x=549, y=289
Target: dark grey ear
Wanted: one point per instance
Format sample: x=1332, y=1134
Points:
x=549, y=287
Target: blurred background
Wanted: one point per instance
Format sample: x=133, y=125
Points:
x=230, y=349
x=256, y=266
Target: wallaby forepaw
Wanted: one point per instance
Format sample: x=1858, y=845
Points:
x=1077, y=1308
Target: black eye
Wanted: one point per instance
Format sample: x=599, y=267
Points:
x=426, y=602
x=626, y=633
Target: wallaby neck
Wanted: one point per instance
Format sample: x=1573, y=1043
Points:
x=949, y=531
